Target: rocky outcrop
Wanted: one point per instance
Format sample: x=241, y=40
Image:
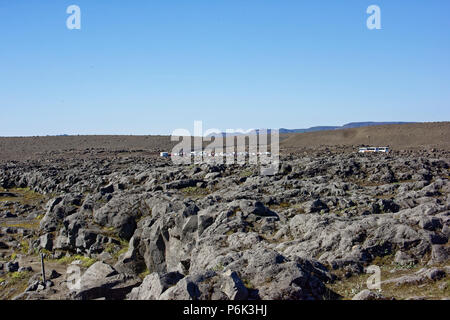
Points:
x=214, y=231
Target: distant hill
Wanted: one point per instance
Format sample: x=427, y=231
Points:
x=398, y=136
x=345, y=126
x=312, y=129
x=324, y=128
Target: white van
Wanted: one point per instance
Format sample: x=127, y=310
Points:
x=373, y=149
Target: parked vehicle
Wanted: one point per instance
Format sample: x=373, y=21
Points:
x=373, y=149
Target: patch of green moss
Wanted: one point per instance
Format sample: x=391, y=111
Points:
x=194, y=191
x=116, y=250
x=19, y=275
x=245, y=173
x=219, y=267
x=230, y=232
x=248, y=284
x=32, y=224
x=142, y=275
x=86, y=261
x=24, y=246
x=24, y=196
x=285, y=205
x=13, y=284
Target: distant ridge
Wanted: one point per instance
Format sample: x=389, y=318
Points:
x=400, y=136
x=323, y=128
x=397, y=136
x=345, y=126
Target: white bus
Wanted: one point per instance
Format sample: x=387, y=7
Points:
x=373, y=149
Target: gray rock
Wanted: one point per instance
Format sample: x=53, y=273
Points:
x=403, y=258
x=440, y=254
x=59, y=208
x=120, y=213
x=85, y=238
x=98, y=270
x=101, y=280
x=12, y=266
x=33, y=287
x=131, y=262
x=187, y=288
x=435, y=274
x=154, y=285
x=316, y=206
x=46, y=241
x=388, y=205
x=107, y=189
x=25, y=269
x=54, y=275
x=368, y=295
x=180, y=184
x=273, y=237
x=254, y=207
x=430, y=223
x=105, y=256
x=49, y=284
x=233, y=286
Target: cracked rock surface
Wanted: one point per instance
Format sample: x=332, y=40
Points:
x=154, y=230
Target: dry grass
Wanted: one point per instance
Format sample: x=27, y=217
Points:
x=85, y=261
x=246, y=173
x=143, y=274
x=13, y=283
x=117, y=250
x=248, y=284
x=24, y=196
x=31, y=224
x=286, y=205
x=194, y=192
x=349, y=287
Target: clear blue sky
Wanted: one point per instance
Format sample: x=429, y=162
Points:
x=149, y=67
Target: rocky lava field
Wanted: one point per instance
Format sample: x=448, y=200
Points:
x=139, y=227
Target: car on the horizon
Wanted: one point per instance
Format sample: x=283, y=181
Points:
x=373, y=149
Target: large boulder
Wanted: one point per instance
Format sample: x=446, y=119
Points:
x=154, y=285
x=368, y=295
x=102, y=281
x=120, y=213
x=233, y=286
x=46, y=241
x=131, y=262
x=59, y=208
